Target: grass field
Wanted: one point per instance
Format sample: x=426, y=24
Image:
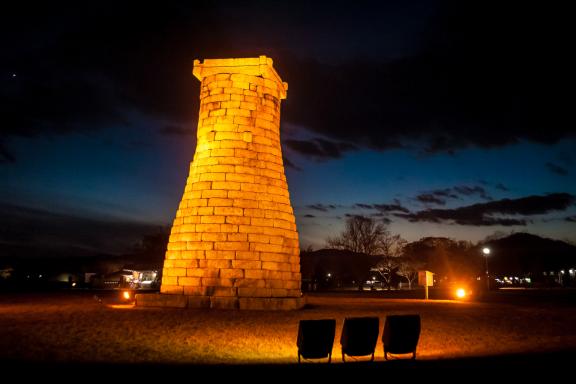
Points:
x=75, y=328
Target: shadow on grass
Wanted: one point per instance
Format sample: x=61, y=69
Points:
x=518, y=365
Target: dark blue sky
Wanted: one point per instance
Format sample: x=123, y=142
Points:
x=441, y=119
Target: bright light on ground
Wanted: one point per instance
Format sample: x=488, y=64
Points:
x=460, y=293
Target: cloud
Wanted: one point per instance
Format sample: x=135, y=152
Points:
x=319, y=149
x=494, y=212
x=463, y=88
x=557, y=169
x=470, y=191
x=68, y=234
x=430, y=198
x=458, y=85
x=73, y=76
x=309, y=216
x=385, y=208
x=440, y=196
x=289, y=164
x=571, y=219
x=321, y=207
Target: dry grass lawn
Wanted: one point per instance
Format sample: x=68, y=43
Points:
x=76, y=328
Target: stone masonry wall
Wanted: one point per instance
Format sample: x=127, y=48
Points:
x=234, y=237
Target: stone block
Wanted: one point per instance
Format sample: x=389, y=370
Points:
x=188, y=255
x=161, y=300
x=216, y=263
x=169, y=280
x=205, y=211
x=171, y=289
x=225, y=292
x=228, y=211
x=257, y=274
x=254, y=292
x=247, y=255
x=229, y=228
x=237, y=237
x=221, y=254
x=224, y=303
x=198, y=302
x=201, y=272
x=195, y=291
x=247, y=264
x=232, y=273
x=220, y=202
x=189, y=281
x=238, y=220
x=174, y=272
x=199, y=245
x=217, y=282
x=186, y=264
x=232, y=246
x=250, y=283
x=211, y=236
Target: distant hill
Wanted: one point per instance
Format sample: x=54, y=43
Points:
x=517, y=254
x=525, y=253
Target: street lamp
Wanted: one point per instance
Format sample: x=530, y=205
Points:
x=486, y=252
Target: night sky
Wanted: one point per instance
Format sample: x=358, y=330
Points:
x=446, y=119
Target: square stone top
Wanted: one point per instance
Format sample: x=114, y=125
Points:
x=254, y=66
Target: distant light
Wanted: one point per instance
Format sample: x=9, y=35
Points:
x=40, y=276
x=373, y=277
x=562, y=271
x=486, y=250
x=13, y=75
x=126, y=295
x=74, y=284
x=460, y=293
x=329, y=275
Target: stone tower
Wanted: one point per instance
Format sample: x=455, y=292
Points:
x=234, y=242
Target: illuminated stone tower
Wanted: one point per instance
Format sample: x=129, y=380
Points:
x=234, y=242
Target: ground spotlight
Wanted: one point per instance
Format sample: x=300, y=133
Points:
x=460, y=293
x=127, y=296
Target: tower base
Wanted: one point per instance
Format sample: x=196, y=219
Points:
x=206, y=302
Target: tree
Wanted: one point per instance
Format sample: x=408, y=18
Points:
x=447, y=258
x=391, y=248
x=386, y=267
x=409, y=268
x=366, y=235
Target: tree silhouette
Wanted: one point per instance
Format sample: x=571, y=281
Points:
x=365, y=235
